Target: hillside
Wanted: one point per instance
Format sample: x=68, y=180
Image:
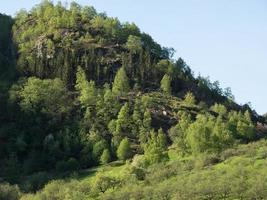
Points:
x=80, y=91
x=236, y=173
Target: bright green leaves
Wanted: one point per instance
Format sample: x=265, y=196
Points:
x=47, y=96
x=165, y=84
x=189, y=99
x=155, y=148
x=134, y=44
x=124, y=150
x=121, y=83
x=86, y=89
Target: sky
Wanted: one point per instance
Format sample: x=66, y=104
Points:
x=225, y=40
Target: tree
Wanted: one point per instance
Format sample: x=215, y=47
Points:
x=124, y=150
x=209, y=134
x=178, y=132
x=98, y=149
x=189, y=99
x=134, y=44
x=241, y=125
x=87, y=89
x=165, y=84
x=102, y=183
x=219, y=108
x=48, y=96
x=9, y=192
x=121, y=83
x=198, y=135
x=147, y=120
x=137, y=113
x=123, y=123
x=105, y=157
x=155, y=148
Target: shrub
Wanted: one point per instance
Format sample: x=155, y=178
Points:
x=9, y=192
x=71, y=165
x=36, y=181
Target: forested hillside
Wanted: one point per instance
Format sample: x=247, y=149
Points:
x=79, y=89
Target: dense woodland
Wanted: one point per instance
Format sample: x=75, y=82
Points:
x=81, y=91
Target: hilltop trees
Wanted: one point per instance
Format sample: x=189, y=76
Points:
x=134, y=44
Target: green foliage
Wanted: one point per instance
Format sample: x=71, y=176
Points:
x=220, y=109
x=208, y=134
x=134, y=44
x=121, y=83
x=241, y=125
x=61, y=190
x=46, y=96
x=124, y=150
x=103, y=183
x=105, y=157
x=36, y=181
x=189, y=99
x=98, y=149
x=62, y=114
x=87, y=89
x=178, y=133
x=70, y=165
x=155, y=149
x=165, y=84
x=9, y=192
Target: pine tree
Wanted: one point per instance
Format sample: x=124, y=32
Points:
x=122, y=123
x=165, y=84
x=190, y=99
x=87, y=89
x=147, y=120
x=155, y=148
x=105, y=157
x=178, y=132
x=121, y=83
x=137, y=115
x=124, y=150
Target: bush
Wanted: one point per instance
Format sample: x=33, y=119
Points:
x=71, y=165
x=9, y=192
x=206, y=160
x=139, y=173
x=36, y=182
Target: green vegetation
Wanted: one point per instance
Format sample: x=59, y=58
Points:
x=92, y=108
x=124, y=150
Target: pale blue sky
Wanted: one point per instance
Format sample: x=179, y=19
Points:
x=223, y=39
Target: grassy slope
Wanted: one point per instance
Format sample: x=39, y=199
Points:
x=234, y=174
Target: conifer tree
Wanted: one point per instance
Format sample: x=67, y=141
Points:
x=137, y=114
x=165, y=84
x=121, y=83
x=190, y=99
x=87, y=89
x=124, y=150
x=105, y=157
x=122, y=123
x=155, y=148
x=147, y=120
